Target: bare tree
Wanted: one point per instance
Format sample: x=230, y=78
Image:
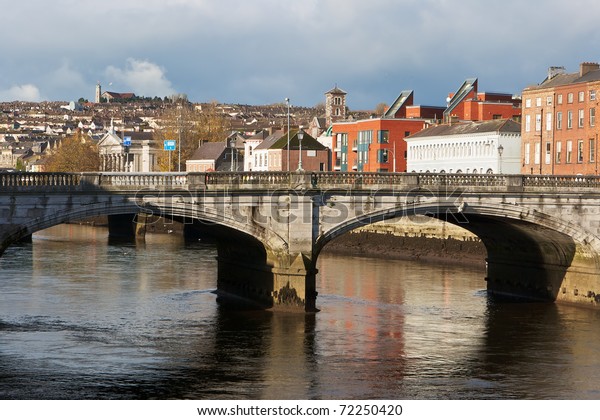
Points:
x=381, y=108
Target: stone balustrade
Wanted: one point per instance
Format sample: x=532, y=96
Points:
x=281, y=180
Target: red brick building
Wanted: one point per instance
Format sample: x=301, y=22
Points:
x=467, y=104
x=559, y=132
x=377, y=144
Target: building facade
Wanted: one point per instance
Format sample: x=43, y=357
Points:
x=306, y=154
x=128, y=152
x=373, y=145
x=559, y=130
x=467, y=104
x=471, y=147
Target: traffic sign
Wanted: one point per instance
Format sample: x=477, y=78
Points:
x=127, y=141
x=170, y=144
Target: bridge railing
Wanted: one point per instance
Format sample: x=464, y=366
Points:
x=14, y=181
x=128, y=180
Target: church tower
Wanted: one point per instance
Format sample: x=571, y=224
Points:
x=98, y=93
x=335, y=106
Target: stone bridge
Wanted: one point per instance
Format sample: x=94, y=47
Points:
x=542, y=233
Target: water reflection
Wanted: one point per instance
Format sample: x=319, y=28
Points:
x=80, y=318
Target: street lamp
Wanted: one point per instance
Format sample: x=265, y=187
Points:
x=500, y=151
x=300, y=137
x=232, y=144
x=179, y=143
x=287, y=100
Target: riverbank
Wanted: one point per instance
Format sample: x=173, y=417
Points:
x=416, y=239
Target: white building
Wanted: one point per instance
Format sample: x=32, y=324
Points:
x=249, y=145
x=488, y=147
x=140, y=156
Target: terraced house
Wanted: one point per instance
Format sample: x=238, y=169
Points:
x=559, y=133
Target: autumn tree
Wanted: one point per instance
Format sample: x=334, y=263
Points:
x=192, y=125
x=76, y=153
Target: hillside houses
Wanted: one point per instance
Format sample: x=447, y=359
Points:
x=29, y=130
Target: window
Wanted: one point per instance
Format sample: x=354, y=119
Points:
x=558, y=151
x=538, y=122
x=527, y=103
x=592, y=117
x=579, y=151
x=548, y=155
x=559, y=120
x=592, y=95
x=382, y=156
x=549, y=121
x=536, y=157
x=569, y=150
x=559, y=99
x=383, y=136
x=592, y=150
x=581, y=96
x=569, y=119
x=569, y=98
x=548, y=100
x=527, y=153
x=580, y=119
x=538, y=101
x=528, y=123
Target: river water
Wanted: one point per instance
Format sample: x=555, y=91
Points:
x=82, y=319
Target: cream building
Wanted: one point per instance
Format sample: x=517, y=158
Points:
x=479, y=147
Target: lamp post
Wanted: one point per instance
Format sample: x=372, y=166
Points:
x=287, y=100
x=232, y=145
x=179, y=143
x=500, y=151
x=300, y=137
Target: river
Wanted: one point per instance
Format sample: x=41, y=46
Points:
x=83, y=319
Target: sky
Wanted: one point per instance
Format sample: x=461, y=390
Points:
x=260, y=52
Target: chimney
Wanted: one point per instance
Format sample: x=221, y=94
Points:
x=585, y=68
x=555, y=71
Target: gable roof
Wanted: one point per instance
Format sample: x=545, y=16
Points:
x=269, y=140
x=209, y=151
x=308, y=142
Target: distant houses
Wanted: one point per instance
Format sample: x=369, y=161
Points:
x=552, y=124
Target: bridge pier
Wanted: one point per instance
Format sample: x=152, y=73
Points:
x=127, y=227
x=285, y=287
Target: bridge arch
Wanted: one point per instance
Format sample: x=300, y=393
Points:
x=530, y=254
x=252, y=257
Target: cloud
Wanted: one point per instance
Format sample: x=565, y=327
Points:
x=142, y=77
x=27, y=92
x=234, y=50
